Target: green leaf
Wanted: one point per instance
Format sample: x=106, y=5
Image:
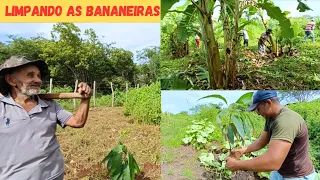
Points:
x=204, y=134
x=115, y=164
x=185, y=28
x=187, y=140
x=113, y=152
x=166, y=5
x=247, y=129
x=203, y=75
x=118, y=169
x=215, y=96
x=275, y=13
x=230, y=134
x=245, y=24
x=132, y=166
x=246, y=98
x=296, y=29
x=126, y=173
x=302, y=7
x=252, y=10
x=239, y=127
x=209, y=129
x=218, y=118
x=201, y=139
x=179, y=84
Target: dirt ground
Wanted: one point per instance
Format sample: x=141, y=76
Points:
x=185, y=159
x=85, y=148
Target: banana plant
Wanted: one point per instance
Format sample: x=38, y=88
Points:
x=234, y=120
x=232, y=10
x=287, y=30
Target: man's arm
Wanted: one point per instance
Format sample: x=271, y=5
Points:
x=271, y=161
x=260, y=143
x=78, y=120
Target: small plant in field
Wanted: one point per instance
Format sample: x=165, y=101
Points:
x=235, y=121
x=199, y=133
x=121, y=164
x=218, y=165
x=214, y=160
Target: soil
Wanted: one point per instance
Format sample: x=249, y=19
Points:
x=238, y=175
x=85, y=148
x=185, y=157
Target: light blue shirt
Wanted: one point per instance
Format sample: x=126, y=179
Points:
x=29, y=146
x=245, y=34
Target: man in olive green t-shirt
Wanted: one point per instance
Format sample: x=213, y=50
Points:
x=287, y=135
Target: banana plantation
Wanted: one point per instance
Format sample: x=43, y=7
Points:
x=202, y=46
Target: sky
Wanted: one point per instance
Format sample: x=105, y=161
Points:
x=178, y=101
x=129, y=36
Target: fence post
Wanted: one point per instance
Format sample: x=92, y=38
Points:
x=75, y=90
x=94, y=93
x=126, y=92
x=50, y=87
x=112, y=93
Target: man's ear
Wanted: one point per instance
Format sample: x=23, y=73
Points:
x=269, y=102
x=10, y=80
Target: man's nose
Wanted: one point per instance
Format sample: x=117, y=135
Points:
x=37, y=80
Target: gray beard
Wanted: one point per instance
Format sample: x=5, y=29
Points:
x=28, y=92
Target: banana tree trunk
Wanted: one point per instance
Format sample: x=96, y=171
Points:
x=226, y=32
x=234, y=48
x=211, y=46
x=274, y=46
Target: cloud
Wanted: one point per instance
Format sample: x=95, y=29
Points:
x=129, y=36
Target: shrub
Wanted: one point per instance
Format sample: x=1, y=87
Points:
x=144, y=104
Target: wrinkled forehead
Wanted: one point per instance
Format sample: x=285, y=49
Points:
x=27, y=69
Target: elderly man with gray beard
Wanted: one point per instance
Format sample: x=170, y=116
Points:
x=29, y=147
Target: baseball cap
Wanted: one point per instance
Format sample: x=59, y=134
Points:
x=261, y=95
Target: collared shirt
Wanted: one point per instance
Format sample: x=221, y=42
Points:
x=310, y=26
x=29, y=147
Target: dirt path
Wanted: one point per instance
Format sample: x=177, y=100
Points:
x=182, y=164
x=84, y=149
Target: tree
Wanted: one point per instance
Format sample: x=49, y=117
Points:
x=299, y=96
x=150, y=63
x=72, y=54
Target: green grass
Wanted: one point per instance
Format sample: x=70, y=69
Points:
x=287, y=72
x=188, y=173
x=173, y=129
x=168, y=156
x=170, y=172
